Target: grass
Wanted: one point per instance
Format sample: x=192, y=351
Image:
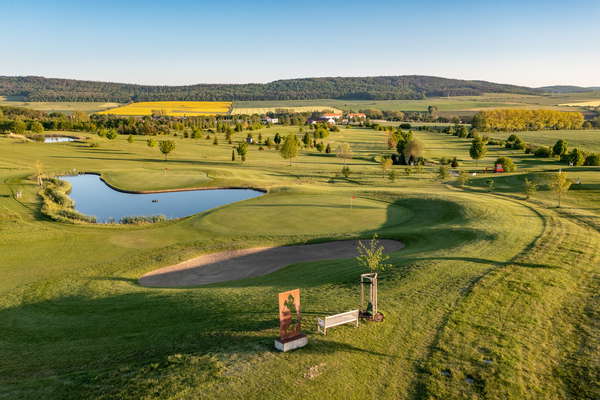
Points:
x=58, y=106
x=493, y=296
x=588, y=140
x=463, y=105
x=172, y=108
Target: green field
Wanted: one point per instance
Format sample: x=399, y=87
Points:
x=446, y=105
x=58, y=106
x=493, y=297
x=583, y=139
x=465, y=105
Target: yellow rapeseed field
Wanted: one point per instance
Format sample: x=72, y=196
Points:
x=172, y=108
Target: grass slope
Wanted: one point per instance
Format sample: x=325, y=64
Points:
x=493, y=296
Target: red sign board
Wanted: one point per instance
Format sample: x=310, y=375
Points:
x=499, y=168
x=289, y=314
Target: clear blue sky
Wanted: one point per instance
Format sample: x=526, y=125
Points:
x=528, y=42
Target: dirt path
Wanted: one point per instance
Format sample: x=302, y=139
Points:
x=247, y=263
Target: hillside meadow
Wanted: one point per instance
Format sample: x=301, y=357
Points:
x=494, y=296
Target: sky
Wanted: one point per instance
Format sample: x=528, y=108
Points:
x=177, y=42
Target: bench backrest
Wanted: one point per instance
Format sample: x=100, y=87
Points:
x=343, y=317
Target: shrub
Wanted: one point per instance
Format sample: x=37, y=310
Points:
x=592, y=159
x=507, y=164
x=454, y=163
x=136, y=220
x=575, y=157
x=543, y=151
x=405, y=126
x=346, y=171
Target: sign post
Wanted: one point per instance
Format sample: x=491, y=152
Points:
x=290, y=335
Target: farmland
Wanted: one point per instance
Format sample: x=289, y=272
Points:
x=240, y=109
x=57, y=106
x=493, y=293
x=446, y=105
x=171, y=108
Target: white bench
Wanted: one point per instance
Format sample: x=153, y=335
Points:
x=335, y=320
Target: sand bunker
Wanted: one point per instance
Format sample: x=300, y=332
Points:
x=247, y=263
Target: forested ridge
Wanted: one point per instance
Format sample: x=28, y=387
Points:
x=33, y=88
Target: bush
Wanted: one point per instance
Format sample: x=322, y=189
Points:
x=592, y=160
x=76, y=216
x=405, y=126
x=575, y=157
x=454, y=163
x=136, y=220
x=543, y=151
x=507, y=164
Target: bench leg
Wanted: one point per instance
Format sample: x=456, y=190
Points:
x=357, y=322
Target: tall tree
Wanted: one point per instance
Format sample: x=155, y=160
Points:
x=344, y=151
x=290, y=148
x=478, y=150
x=242, y=150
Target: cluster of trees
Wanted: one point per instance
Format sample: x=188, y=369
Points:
x=526, y=120
x=19, y=120
x=33, y=88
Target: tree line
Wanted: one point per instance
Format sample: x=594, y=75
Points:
x=526, y=120
x=32, y=88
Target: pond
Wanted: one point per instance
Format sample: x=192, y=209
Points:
x=58, y=139
x=93, y=197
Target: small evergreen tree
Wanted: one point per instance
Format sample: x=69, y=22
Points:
x=242, y=150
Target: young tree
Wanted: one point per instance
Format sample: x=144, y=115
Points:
x=39, y=172
x=232, y=155
x=463, y=178
x=442, y=173
x=151, y=143
x=478, y=150
x=290, y=148
x=111, y=134
x=328, y=149
x=371, y=256
x=560, y=184
x=529, y=188
x=344, y=151
x=242, y=150
x=166, y=147
x=130, y=139
x=386, y=164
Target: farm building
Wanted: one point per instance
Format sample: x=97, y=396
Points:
x=356, y=115
x=269, y=120
x=328, y=116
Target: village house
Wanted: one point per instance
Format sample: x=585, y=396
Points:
x=269, y=120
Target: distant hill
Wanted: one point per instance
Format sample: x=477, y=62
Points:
x=568, y=89
x=34, y=88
